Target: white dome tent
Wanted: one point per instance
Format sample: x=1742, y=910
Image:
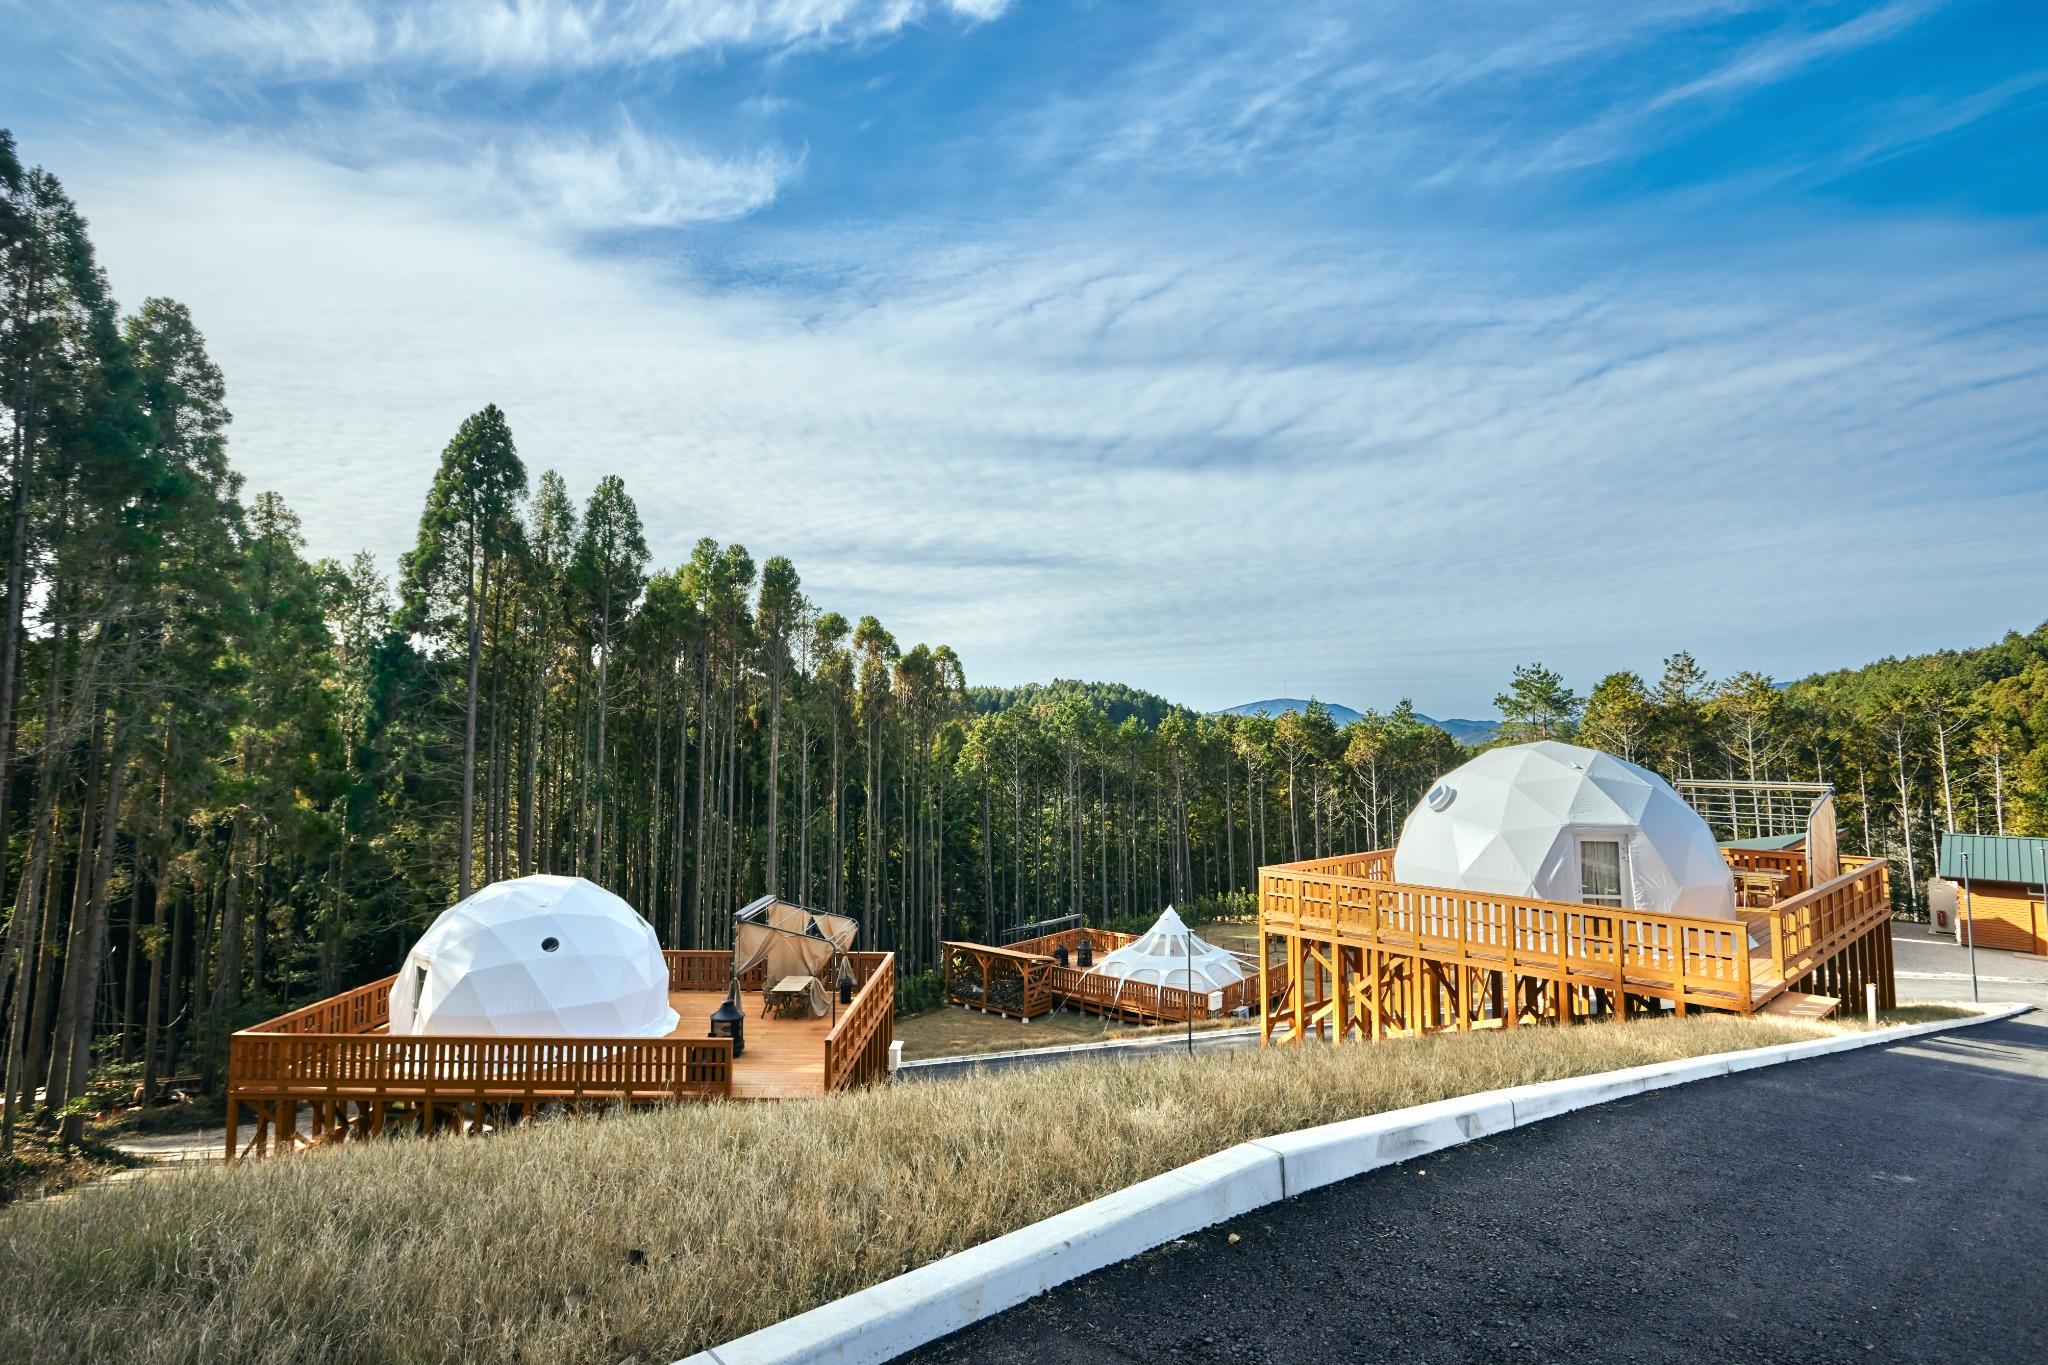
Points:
x=536, y=957
x=1166, y=955
x=1564, y=823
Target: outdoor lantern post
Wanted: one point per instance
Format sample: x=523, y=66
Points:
x=729, y=1020
x=1970, y=920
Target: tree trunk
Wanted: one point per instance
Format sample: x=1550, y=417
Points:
x=465, y=867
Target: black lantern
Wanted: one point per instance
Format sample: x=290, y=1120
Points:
x=845, y=984
x=730, y=1021
x=1059, y=955
x=1085, y=958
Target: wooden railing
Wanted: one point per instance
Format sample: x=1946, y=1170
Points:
x=857, y=1048
x=698, y=970
x=1812, y=926
x=1673, y=955
x=502, y=1069
x=1109, y=995
x=1790, y=862
x=361, y=1010
x=1100, y=941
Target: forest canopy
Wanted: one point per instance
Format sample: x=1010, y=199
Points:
x=235, y=777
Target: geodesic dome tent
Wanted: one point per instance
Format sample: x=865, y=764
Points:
x=1169, y=954
x=1564, y=823
x=536, y=957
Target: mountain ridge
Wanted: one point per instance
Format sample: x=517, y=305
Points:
x=1465, y=731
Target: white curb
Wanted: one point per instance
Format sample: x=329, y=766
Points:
x=936, y=1300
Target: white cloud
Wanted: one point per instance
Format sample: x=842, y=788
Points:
x=1359, y=467
x=633, y=179
x=297, y=39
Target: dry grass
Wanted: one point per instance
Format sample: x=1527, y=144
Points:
x=954, y=1032
x=655, y=1234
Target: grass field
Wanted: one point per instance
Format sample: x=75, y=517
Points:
x=654, y=1234
x=955, y=1032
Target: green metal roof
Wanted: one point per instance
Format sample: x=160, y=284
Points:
x=1994, y=858
x=1770, y=843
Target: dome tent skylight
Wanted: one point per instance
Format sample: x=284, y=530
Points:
x=1565, y=823
x=536, y=957
x=1164, y=955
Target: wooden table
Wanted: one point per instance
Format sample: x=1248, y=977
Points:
x=790, y=998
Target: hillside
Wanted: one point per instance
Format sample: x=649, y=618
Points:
x=1115, y=700
x=1464, y=731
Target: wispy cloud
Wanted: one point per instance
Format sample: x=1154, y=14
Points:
x=1102, y=442
x=632, y=179
x=301, y=39
x=1784, y=54
x=1144, y=356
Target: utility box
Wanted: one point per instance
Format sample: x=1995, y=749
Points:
x=1945, y=907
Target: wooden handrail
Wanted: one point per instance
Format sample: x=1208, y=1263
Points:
x=506, y=1069
x=1593, y=945
x=1812, y=926
x=857, y=1048
x=362, y=1010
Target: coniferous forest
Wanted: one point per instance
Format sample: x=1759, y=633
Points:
x=235, y=777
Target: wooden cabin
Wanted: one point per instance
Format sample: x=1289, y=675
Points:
x=2005, y=876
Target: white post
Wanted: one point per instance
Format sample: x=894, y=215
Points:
x=1870, y=1001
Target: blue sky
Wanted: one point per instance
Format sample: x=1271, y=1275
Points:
x=1226, y=350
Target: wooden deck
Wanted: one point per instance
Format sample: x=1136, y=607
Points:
x=338, y=1057
x=1024, y=981
x=1366, y=956
x=784, y=1059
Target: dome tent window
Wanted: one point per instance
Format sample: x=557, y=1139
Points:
x=1600, y=872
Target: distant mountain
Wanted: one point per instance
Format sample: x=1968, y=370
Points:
x=1464, y=731
x=1280, y=706
x=1474, y=732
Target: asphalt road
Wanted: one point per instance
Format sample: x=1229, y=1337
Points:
x=1932, y=968
x=1887, y=1205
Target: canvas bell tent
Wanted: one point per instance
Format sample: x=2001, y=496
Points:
x=1565, y=823
x=536, y=957
x=1170, y=954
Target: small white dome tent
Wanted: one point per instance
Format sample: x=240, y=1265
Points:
x=1565, y=823
x=552, y=957
x=1165, y=954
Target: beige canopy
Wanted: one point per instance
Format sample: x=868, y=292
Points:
x=793, y=941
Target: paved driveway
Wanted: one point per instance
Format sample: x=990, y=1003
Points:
x=1887, y=1205
x=1932, y=968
